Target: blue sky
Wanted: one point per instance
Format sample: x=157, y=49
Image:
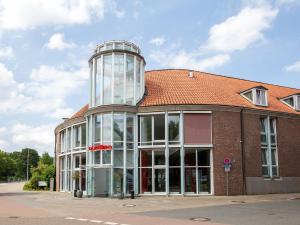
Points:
x=45, y=45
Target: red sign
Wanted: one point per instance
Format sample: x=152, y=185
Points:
x=227, y=161
x=100, y=147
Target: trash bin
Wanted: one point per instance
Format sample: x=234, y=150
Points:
x=79, y=193
x=75, y=193
x=132, y=194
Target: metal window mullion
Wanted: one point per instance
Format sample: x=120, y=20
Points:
x=112, y=153
x=136, y=154
x=269, y=146
x=101, y=137
x=113, y=78
x=182, y=153
x=152, y=130
x=134, y=81
x=124, y=152
x=167, y=154
x=124, y=76
x=153, y=173
x=197, y=175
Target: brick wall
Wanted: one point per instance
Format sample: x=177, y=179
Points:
x=226, y=141
x=288, y=139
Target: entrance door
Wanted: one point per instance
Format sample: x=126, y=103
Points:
x=160, y=180
x=102, y=182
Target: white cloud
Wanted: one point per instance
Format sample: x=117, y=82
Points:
x=3, y=129
x=40, y=137
x=45, y=92
x=158, y=41
x=182, y=59
x=28, y=14
x=57, y=41
x=6, y=52
x=295, y=67
x=242, y=30
x=3, y=144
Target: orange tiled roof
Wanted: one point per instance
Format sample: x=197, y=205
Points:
x=81, y=112
x=175, y=87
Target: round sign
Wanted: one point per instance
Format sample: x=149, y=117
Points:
x=227, y=161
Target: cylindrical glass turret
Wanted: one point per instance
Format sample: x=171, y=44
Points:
x=116, y=74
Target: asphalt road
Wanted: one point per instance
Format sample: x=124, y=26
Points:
x=53, y=208
x=262, y=213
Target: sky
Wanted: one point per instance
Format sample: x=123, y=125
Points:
x=45, y=46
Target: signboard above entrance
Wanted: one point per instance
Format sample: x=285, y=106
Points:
x=100, y=147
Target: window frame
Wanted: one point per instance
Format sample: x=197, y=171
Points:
x=255, y=100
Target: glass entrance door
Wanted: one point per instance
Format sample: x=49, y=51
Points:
x=160, y=180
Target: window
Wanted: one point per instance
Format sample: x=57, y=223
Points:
x=298, y=103
x=146, y=130
x=118, y=79
x=62, y=141
x=173, y=126
x=106, y=120
x=174, y=170
x=107, y=79
x=138, y=78
x=152, y=130
x=197, y=170
x=292, y=101
x=98, y=87
x=83, y=135
x=69, y=139
x=268, y=147
x=97, y=127
x=256, y=95
x=159, y=129
x=129, y=79
x=77, y=136
x=261, y=98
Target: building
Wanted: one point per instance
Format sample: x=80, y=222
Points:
x=175, y=132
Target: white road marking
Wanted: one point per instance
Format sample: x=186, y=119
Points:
x=82, y=219
x=95, y=221
x=70, y=218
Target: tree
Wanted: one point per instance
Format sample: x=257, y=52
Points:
x=46, y=159
x=33, y=159
x=7, y=166
x=17, y=158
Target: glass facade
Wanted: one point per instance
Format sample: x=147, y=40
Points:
x=118, y=75
x=119, y=151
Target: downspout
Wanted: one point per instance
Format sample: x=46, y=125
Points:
x=243, y=151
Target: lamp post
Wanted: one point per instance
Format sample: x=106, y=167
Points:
x=27, y=163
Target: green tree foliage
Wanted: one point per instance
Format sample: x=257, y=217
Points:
x=33, y=159
x=46, y=159
x=7, y=166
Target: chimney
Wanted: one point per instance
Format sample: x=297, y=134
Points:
x=191, y=75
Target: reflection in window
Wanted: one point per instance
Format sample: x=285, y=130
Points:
x=98, y=81
x=129, y=79
x=146, y=130
x=97, y=125
x=107, y=79
x=118, y=127
x=159, y=129
x=138, y=77
x=173, y=123
x=118, y=79
x=77, y=136
x=106, y=128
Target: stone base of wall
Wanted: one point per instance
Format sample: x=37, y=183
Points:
x=260, y=185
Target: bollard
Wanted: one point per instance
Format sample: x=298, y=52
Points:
x=132, y=194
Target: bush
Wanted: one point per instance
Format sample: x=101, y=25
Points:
x=41, y=173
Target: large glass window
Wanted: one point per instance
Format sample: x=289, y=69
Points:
x=129, y=79
x=106, y=120
x=138, y=78
x=107, y=79
x=159, y=129
x=152, y=129
x=69, y=139
x=77, y=136
x=118, y=79
x=118, y=130
x=97, y=130
x=197, y=170
x=174, y=129
x=83, y=135
x=98, y=88
x=146, y=130
x=174, y=170
x=268, y=147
